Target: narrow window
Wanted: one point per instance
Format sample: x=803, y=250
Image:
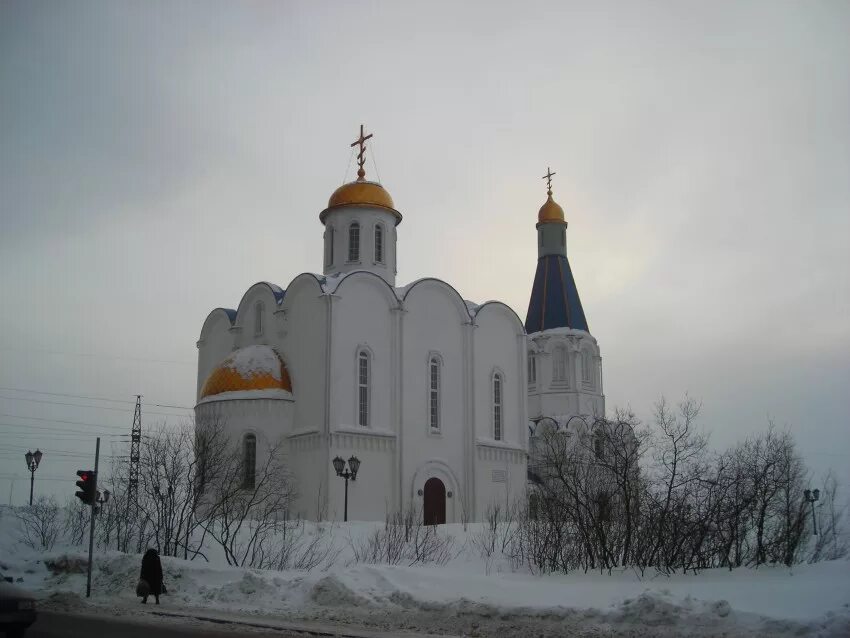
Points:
x=603, y=502
x=532, y=370
x=379, y=243
x=329, y=246
x=559, y=365
x=249, y=461
x=258, y=318
x=497, y=407
x=585, y=367
x=434, y=393
x=354, y=242
x=598, y=446
x=363, y=389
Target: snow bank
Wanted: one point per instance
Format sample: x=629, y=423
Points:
x=469, y=596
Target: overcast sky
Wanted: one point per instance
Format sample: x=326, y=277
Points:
x=158, y=158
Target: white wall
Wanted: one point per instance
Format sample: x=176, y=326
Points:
x=363, y=318
x=318, y=332
x=500, y=466
x=304, y=328
x=434, y=322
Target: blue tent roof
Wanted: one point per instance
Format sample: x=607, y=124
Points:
x=554, y=297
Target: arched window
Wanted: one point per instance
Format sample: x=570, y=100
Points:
x=379, y=243
x=559, y=365
x=598, y=445
x=497, y=407
x=603, y=503
x=363, y=379
x=249, y=461
x=586, y=368
x=354, y=242
x=532, y=369
x=258, y=318
x=329, y=246
x=434, y=392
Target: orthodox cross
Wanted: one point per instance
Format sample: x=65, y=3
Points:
x=361, y=156
x=548, y=177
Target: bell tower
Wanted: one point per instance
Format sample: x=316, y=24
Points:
x=564, y=366
x=360, y=225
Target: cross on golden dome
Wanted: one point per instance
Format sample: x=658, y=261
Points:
x=550, y=211
x=548, y=177
x=361, y=156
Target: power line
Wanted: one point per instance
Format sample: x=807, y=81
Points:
x=54, y=436
x=90, y=398
x=22, y=477
x=36, y=418
x=69, y=455
x=62, y=394
x=91, y=407
x=58, y=430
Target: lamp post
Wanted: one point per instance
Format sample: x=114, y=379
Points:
x=811, y=497
x=33, y=459
x=346, y=473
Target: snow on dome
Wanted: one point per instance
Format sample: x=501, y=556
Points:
x=249, y=368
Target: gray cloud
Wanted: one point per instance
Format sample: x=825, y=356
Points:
x=159, y=159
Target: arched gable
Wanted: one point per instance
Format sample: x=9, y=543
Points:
x=272, y=294
x=219, y=316
x=502, y=308
x=439, y=284
x=372, y=279
x=304, y=281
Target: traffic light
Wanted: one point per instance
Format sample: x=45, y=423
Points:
x=87, y=485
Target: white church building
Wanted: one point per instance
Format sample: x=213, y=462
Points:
x=430, y=392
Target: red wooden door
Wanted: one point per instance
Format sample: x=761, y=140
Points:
x=435, y=502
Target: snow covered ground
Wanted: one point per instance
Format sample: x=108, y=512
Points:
x=469, y=596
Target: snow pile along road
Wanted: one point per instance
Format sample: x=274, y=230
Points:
x=469, y=596
x=806, y=601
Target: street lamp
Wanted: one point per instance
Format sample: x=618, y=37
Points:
x=811, y=497
x=350, y=473
x=33, y=459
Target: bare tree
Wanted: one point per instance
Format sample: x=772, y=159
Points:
x=243, y=516
x=41, y=523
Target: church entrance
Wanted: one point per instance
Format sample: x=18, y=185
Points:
x=435, y=502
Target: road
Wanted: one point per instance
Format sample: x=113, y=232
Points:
x=59, y=625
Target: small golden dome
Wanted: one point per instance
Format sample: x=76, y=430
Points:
x=249, y=368
x=550, y=212
x=361, y=193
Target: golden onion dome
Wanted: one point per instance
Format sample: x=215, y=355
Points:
x=550, y=212
x=247, y=369
x=361, y=193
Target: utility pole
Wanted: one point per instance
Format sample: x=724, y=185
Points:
x=91, y=526
x=133, y=482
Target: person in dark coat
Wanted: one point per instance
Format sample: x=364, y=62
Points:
x=152, y=574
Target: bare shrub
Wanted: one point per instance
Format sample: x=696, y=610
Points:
x=41, y=523
x=75, y=524
x=610, y=493
x=245, y=518
x=404, y=539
